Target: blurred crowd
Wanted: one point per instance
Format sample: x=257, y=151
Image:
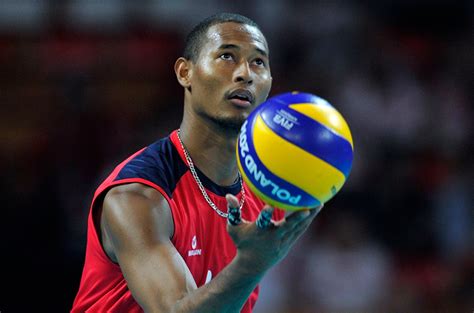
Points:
x=86, y=83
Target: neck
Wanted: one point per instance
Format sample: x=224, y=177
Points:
x=212, y=150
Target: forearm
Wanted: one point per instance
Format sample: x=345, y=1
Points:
x=227, y=292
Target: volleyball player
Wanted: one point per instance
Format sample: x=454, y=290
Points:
x=174, y=228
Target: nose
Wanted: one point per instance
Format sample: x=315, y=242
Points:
x=243, y=74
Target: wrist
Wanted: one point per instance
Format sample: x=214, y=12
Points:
x=247, y=265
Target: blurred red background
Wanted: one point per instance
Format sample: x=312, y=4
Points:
x=85, y=83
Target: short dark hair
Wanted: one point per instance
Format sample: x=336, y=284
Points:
x=194, y=40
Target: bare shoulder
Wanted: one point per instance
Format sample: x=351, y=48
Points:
x=134, y=216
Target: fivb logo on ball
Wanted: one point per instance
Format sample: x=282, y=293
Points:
x=294, y=151
x=259, y=177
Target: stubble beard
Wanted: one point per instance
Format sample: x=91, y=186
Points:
x=228, y=125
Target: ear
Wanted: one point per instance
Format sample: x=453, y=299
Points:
x=183, y=71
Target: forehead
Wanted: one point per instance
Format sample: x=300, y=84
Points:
x=235, y=33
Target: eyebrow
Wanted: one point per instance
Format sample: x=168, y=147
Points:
x=232, y=46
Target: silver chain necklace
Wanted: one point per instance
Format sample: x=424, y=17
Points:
x=200, y=185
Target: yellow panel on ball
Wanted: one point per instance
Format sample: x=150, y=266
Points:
x=295, y=165
x=326, y=115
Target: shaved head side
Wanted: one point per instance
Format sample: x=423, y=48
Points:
x=195, y=39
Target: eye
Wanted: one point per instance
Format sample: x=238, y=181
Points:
x=259, y=62
x=226, y=56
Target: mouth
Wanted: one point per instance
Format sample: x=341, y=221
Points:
x=241, y=98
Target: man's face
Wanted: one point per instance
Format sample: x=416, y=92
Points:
x=232, y=75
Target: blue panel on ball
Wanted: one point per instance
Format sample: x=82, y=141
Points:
x=268, y=183
x=296, y=97
x=321, y=141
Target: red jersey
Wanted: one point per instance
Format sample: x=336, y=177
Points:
x=200, y=234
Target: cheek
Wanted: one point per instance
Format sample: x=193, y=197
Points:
x=264, y=89
x=208, y=83
x=209, y=74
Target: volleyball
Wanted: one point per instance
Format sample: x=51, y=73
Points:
x=295, y=151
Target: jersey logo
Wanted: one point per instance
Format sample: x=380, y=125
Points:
x=194, y=242
x=194, y=251
x=208, y=276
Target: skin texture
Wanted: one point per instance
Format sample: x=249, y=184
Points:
x=208, y=83
x=135, y=220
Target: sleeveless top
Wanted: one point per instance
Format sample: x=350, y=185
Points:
x=200, y=234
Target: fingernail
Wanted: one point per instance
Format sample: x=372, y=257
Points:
x=267, y=214
x=264, y=220
x=233, y=216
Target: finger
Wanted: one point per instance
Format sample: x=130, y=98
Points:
x=294, y=233
x=264, y=219
x=292, y=236
x=299, y=219
x=300, y=215
x=296, y=217
x=315, y=211
x=233, y=210
x=306, y=222
x=318, y=208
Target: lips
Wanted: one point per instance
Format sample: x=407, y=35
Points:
x=242, y=95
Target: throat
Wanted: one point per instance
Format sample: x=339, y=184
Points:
x=214, y=157
x=201, y=186
x=221, y=175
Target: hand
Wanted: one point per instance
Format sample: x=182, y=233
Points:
x=263, y=243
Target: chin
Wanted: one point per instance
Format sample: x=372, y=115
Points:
x=230, y=124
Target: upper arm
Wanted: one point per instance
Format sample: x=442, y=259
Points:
x=136, y=226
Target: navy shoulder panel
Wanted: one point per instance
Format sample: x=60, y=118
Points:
x=159, y=163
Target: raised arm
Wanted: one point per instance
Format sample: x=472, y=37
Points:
x=136, y=227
